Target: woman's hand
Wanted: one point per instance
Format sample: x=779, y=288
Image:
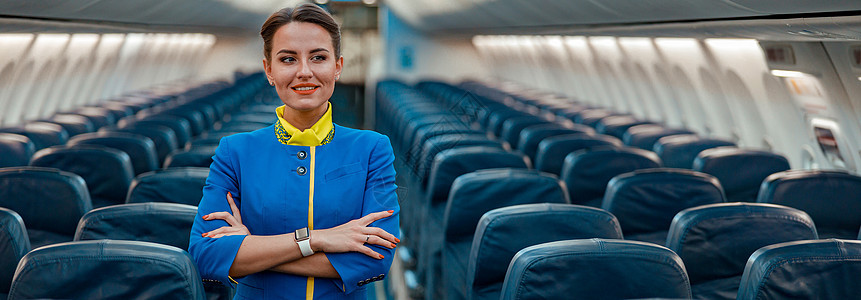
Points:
x=352, y=236
x=235, y=221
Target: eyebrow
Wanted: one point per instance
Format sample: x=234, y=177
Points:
x=294, y=52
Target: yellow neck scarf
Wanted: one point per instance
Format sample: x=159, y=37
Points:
x=319, y=134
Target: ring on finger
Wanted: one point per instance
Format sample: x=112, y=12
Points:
x=368, y=237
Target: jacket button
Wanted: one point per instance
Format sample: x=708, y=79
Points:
x=301, y=170
x=302, y=154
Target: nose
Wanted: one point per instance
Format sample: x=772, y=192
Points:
x=304, y=71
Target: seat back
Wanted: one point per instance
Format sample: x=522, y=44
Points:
x=740, y=171
x=450, y=164
x=645, y=201
x=679, y=151
x=107, y=171
x=15, y=243
x=595, y=269
x=141, y=149
x=553, y=150
x=817, y=269
x=716, y=240
x=49, y=201
x=15, y=150
x=199, y=156
x=42, y=134
x=617, y=125
x=644, y=136
x=504, y=231
x=586, y=172
x=73, y=124
x=182, y=185
x=163, y=137
x=134, y=222
x=437, y=144
x=531, y=136
x=99, y=116
x=107, y=269
x=831, y=198
x=512, y=127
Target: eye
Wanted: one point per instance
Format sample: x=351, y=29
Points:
x=318, y=58
x=287, y=59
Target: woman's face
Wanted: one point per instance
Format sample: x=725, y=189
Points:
x=303, y=66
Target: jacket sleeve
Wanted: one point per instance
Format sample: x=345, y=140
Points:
x=215, y=256
x=357, y=269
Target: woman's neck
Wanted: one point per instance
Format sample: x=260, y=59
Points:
x=303, y=120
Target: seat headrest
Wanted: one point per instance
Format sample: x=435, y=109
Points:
x=552, y=151
x=511, y=128
x=586, y=172
x=436, y=144
x=590, y=117
x=831, y=198
x=504, y=231
x=716, y=240
x=15, y=245
x=140, y=149
x=534, y=134
x=475, y=193
x=200, y=156
x=99, y=116
x=107, y=171
x=135, y=221
x=498, y=117
x=74, y=124
x=107, y=269
x=645, y=136
x=42, y=134
x=15, y=150
x=614, y=269
x=679, y=151
x=617, y=125
x=828, y=269
x=740, y=171
x=647, y=200
x=451, y=163
x=46, y=198
x=173, y=185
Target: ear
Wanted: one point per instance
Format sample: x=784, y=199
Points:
x=268, y=69
x=339, y=66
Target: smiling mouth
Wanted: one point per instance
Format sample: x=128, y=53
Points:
x=305, y=88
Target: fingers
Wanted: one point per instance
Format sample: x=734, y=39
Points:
x=224, y=231
x=381, y=234
x=371, y=217
x=233, y=208
x=222, y=215
x=376, y=240
x=367, y=251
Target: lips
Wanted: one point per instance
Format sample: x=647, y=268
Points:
x=305, y=88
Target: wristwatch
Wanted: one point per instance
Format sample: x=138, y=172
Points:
x=303, y=239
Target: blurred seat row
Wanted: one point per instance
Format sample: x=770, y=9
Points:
x=472, y=152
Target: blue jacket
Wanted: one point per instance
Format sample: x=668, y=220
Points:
x=352, y=176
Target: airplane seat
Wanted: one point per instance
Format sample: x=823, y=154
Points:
x=497, y=118
x=15, y=150
x=163, y=137
x=15, y=243
x=472, y=195
x=99, y=116
x=645, y=201
x=182, y=185
x=267, y=119
x=181, y=127
x=200, y=156
x=591, y=117
x=715, y=241
x=42, y=134
x=49, y=201
x=645, y=136
x=553, y=150
x=617, y=125
x=195, y=119
x=72, y=123
x=238, y=126
x=202, y=142
x=740, y=171
x=512, y=127
x=415, y=120
x=502, y=232
x=447, y=166
x=586, y=172
x=831, y=198
x=813, y=269
x=107, y=171
x=117, y=109
x=424, y=133
x=532, y=135
x=207, y=112
x=595, y=269
x=571, y=112
x=107, y=269
x=679, y=151
x=439, y=143
x=134, y=222
x=140, y=149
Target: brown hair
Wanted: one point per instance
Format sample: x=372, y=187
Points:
x=308, y=13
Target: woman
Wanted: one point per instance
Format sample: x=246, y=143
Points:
x=302, y=209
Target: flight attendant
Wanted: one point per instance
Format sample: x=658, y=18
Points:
x=302, y=209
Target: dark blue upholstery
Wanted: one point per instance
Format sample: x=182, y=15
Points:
x=586, y=172
x=831, y=198
x=107, y=269
x=498, y=117
x=234, y=126
x=134, y=222
x=140, y=149
x=73, y=124
x=552, y=151
x=740, y=171
x=196, y=121
x=820, y=269
x=679, y=151
x=99, y=116
x=645, y=201
x=595, y=269
x=107, y=171
x=531, y=136
x=504, y=231
x=478, y=192
x=200, y=156
x=644, y=136
x=180, y=126
x=15, y=150
x=162, y=137
x=512, y=127
x=617, y=125
x=42, y=134
x=591, y=117
x=14, y=243
x=173, y=185
x=49, y=201
x=439, y=143
x=414, y=147
x=716, y=240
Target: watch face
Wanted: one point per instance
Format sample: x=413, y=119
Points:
x=302, y=234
